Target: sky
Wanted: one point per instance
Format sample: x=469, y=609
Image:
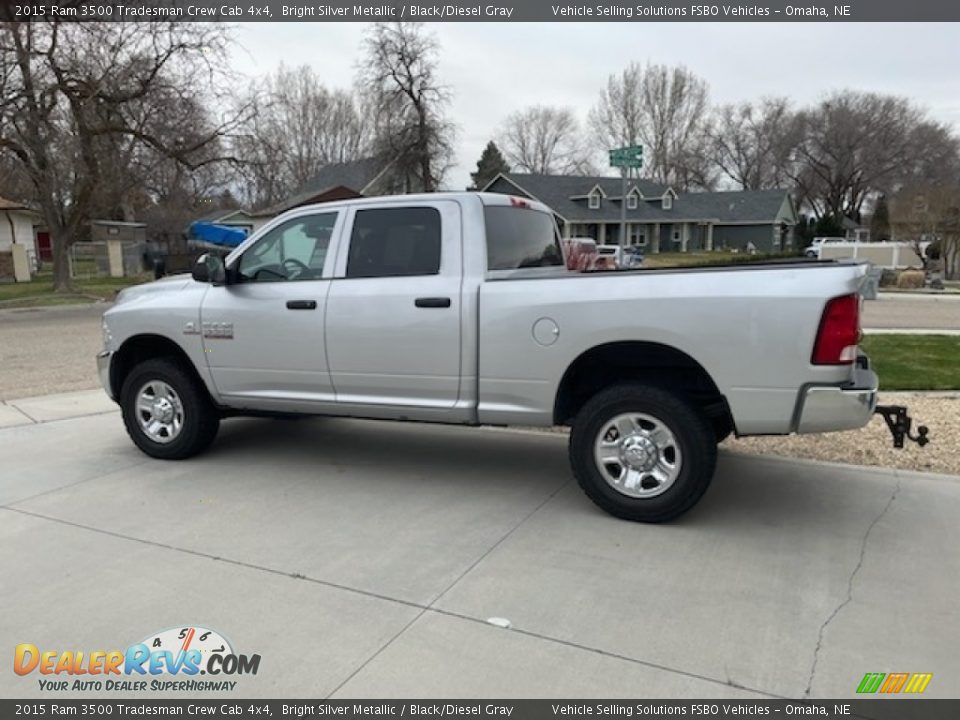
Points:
x=494, y=69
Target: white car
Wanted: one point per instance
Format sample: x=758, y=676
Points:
x=814, y=248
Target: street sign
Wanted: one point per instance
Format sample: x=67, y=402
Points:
x=627, y=157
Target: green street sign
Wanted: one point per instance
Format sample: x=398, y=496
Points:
x=627, y=157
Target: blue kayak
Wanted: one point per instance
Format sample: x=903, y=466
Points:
x=221, y=235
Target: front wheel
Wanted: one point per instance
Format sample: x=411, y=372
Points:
x=642, y=453
x=166, y=411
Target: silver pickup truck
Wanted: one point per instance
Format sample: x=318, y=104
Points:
x=457, y=308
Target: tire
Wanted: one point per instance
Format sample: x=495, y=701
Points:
x=665, y=459
x=189, y=418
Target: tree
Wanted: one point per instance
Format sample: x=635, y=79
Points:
x=931, y=211
x=753, y=144
x=545, y=140
x=854, y=145
x=880, y=220
x=408, y=102
x=490, y=164
x=297, y=126
x=664, y=109
x=74, y=95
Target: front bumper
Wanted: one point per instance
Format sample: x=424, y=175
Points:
x=103, y=370
x=845, y=407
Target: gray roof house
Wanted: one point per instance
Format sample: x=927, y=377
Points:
x=659, y=218
x=340, y=181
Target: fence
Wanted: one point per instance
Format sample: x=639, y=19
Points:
x=892, y=255
x=89, y=260
x=98, y=259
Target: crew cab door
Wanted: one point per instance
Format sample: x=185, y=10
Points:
x=393, y=311
x=263, y=332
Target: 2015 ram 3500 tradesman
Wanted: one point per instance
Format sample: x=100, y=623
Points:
x=457, y=308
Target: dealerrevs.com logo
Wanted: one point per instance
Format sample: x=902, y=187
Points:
x=170, y=660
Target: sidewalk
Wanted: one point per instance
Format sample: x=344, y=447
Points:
x=61, y=406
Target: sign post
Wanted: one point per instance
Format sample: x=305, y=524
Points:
x=625, y=158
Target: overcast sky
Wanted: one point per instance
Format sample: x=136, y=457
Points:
x=496, y=68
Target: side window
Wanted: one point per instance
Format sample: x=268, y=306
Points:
x=392, y=242
x=295, y=250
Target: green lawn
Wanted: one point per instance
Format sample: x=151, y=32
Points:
x=915, y=362
x=39, y=291
x=699, y=258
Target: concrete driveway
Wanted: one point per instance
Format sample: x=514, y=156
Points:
x=364, y=559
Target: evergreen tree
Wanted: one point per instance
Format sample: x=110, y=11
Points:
x=491, y=163
x=880, y=222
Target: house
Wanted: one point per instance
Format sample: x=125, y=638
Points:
x=18, y=227
x=658, y=217
x=340, y=181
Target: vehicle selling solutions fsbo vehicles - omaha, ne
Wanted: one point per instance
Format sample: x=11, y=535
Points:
x=457, y=308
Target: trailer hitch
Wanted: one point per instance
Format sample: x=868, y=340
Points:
x=899, y=424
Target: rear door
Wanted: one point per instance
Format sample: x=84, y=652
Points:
x=393, y=310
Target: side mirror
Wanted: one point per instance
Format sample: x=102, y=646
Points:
x=209, y=269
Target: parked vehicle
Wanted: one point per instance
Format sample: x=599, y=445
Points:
x=813, y=249
x=580, y=253
x=457, y=308
x=614, y=253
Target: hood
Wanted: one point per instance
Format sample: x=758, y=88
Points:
x=170, y=283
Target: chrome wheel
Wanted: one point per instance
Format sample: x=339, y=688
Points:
x=637, y=455
x=159, y=412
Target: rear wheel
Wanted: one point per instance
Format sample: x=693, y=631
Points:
x=166, y=411
x=642, y=453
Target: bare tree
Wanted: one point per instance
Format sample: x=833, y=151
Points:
x=752, y=144
x=408, y=102
x=856, y=144
x=930, y=211
x=298, y=126
x=545, y=140
x=73, y=88
x=664, y=109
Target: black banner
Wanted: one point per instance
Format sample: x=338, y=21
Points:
x=496, y=11
x=885, y=709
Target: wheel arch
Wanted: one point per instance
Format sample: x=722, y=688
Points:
x=148, y=346
x=655, y=363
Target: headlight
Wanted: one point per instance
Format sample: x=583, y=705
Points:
x=107, y=337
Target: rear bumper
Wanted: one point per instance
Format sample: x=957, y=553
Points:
x=846, y=407
x=103, y=370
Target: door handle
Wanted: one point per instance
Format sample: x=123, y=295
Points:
x=301, y=304
x=432, y=302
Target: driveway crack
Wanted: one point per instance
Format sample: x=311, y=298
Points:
x=850, y=582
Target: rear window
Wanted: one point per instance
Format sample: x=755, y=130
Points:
x=520, y=238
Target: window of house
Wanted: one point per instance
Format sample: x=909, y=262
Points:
x=394, y=242
x=638, y=236
x=632, y=202
x=668, y=201
x=295, y=250
x=594, y=201
x=676, y=236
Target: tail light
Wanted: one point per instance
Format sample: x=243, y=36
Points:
x=839, y=332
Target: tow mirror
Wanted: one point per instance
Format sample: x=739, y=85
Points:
x=209, y=269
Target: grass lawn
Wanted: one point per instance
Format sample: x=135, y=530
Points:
x=915, y=362
x=39, y=291
x=687, y=259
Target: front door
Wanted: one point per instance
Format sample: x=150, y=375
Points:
x=393, y=312
x=263, y=332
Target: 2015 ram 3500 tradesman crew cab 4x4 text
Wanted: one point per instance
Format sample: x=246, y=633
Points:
x=457, y=308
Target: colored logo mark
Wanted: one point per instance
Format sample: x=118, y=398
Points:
x=889, y=683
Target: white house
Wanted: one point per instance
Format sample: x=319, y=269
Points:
x=17, y=223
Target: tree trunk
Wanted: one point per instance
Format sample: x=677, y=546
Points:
x=62, y=279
